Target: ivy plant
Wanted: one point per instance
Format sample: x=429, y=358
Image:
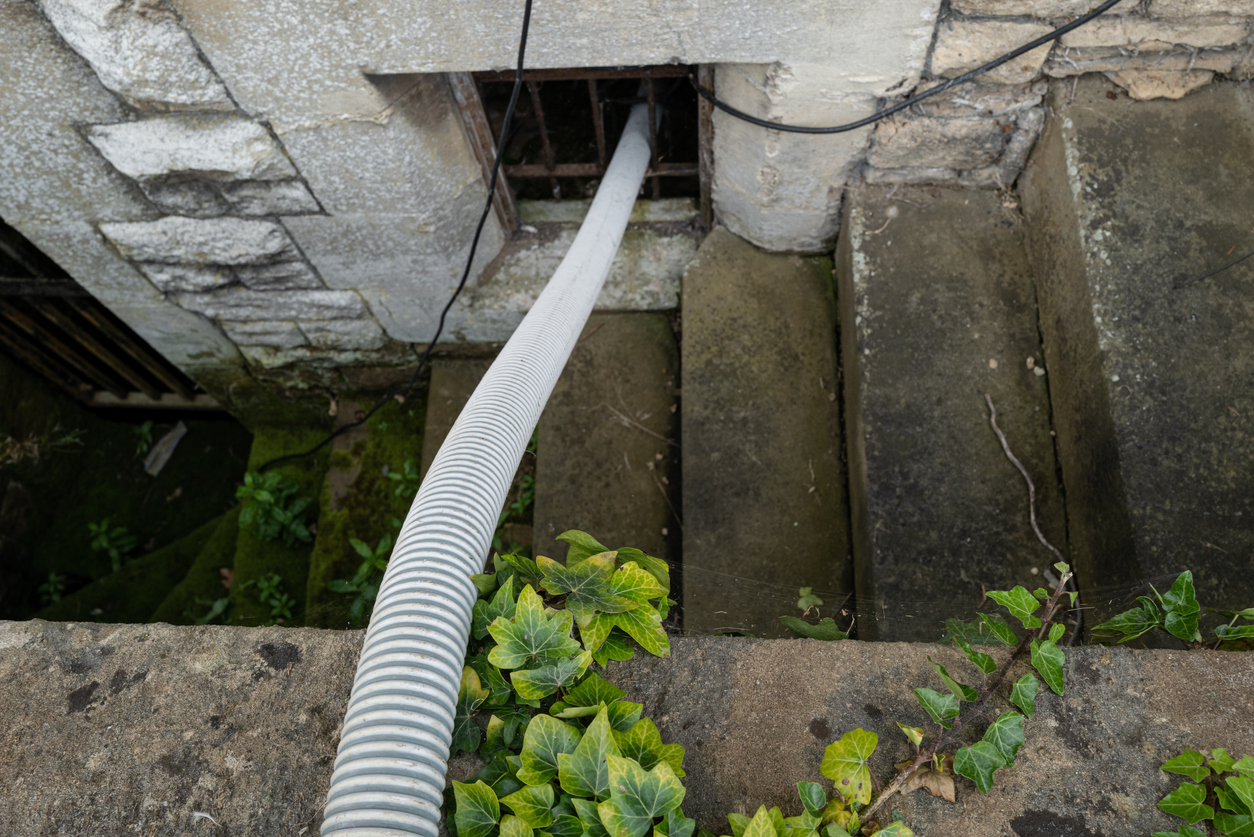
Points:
x=114, y=541
x=271, y=508
x=1221, y=790
x=1177, y=612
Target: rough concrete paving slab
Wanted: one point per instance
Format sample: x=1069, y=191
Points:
x=937, y=310
x=1151, y=377
x=130, y=729
x=764, y=490
x=607, y=455
x=452, y=384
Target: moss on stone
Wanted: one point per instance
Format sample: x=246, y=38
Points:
x=204, y=578
x=369, y=505
x=131, y=593
x=255, y=558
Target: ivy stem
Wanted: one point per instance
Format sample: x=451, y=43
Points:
x=928, y=753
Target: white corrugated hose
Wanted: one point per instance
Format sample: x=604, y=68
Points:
x=394, y=746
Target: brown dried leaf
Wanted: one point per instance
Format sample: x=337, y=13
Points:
x=938, y=783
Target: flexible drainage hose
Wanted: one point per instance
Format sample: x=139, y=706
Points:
x=394, y=746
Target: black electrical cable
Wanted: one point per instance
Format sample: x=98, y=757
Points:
x=875, y=117
x=1213, y=272
x=474, y=245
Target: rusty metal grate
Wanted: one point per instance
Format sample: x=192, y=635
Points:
x=568, y=123
x=49, y=323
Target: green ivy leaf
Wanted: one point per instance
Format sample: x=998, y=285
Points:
x=915, y=734
x=1248, y=613
x=593, y=690
x=1220, y=761
x=597, y=632
x=531, y=634
x=1243, y=789
x=982, y=661
x=1020, y=603
x=537, y=683
x=1245, y=767
x=512, y=826
x=655, y=567
x=844, y=762
x=1190, y=763
x=565, y=825
x=1048, y=659
x=586, y=586
x=582, y=545
x=1180, y=598
x=643, y=744
x=1006, y=734
x=500, y=774
x=493, y=736
x=645, y=626
x=940, y=707
x=1000, y=628
x=761, y=825
x=825, y=630
x=485, y=582
x=897, y=828
x=498, y=687
x=739, y=824
x=532, y=805
x=959, y=690
x=466, y=735
x=635, y=584
x=1041, y=593
x=1024, y=694
x=1185, y=802
x=808, y=600
x=614, y=648
x=478, y=809
x=1228, y=632
x=546, y=737
x=504, y=603
x=975, y=633
x=813, y=797
x=1234, y=825
x=623, y=715
x=1130, y=624
x=584, y=772
x=590, y=817
x=640, y=795
x=1185, y=831
x=1056, y=631
x=677, y=825
x=978, y=763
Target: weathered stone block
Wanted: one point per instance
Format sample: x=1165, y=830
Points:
x=937, y=143
x=280, y=335
x=1077, y=62
x=1036, y=8
x=193, y=198
x=937, y=309
x=1189, y=8
x=283, y=197
x=963, y=45
x=178, y=240
x=1161, y=84
x=281, y=276
x=175, y=277
x=1153, y=35
x=1126, y=203
x=140, y=52
x=224, y=148
x=764, y=491
x=985, y=100
x=343, y=334
x=607, y=460
x=243, y=304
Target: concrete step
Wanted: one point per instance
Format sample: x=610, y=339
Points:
x=937, y=310
x=1151, y=378
x=764, y=488
x=607, y=458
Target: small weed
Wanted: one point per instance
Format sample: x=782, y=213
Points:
x=216, y=608
x=407, y=480
x=114, y=541
x=143, y=438
x=270, y=508
x=50, y=591
x=366, y=582
x=270, y=593
x=13, y=451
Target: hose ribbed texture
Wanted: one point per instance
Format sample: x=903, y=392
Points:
x=394, y=746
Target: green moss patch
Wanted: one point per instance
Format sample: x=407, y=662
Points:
x=203, y=582
x=394, y=436
x=131, y=593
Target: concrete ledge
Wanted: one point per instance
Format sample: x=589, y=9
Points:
x=130, y=729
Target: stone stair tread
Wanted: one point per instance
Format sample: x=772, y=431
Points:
x=204, y=577
x=938, y=310
x=607, y=450
x=764, y=507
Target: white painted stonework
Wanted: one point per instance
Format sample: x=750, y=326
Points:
x=223, y=148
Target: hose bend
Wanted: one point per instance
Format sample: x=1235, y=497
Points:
x=394, y=746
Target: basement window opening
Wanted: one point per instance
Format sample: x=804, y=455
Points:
x=568, y=122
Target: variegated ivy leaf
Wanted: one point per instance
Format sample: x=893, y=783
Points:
x=978, y=763
x=593, y=690
x=761, y=825
x=532, y=635
x=586, y=586
x=565, y=825
x=644, y=625
x=655, y=567
x=478, y=810
x=1006, y=734
x=940, y=707
x=675, y=824
x=739, y=824
x=491, y=677
x=512, y=826
x=1020, y=603
x=532, y=804
x=546, y=737
x=813, y=798
x=615, y=647
x=639, y=795
x=623, y=715
x=635, y=584
x=501, y=774
x=1004, y=633
x=590, y=817
x=466, y=734
x=1024, y=694
x=1048, y=659
x=643, y=743
x=915, y=734
x=1187, y=803
x=897, y=828
x=1190, y=763
x=982, y=661
x=503, y=603
x=845, y=763
x=584, y=772
x=537, y=683
x=959, y=690
x=581, y=546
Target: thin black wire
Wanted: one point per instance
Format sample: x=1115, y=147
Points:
x=1213, y=272
x=875, y=117
x=474, y=245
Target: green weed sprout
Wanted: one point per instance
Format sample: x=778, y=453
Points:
x=143, y=437
x=50, y=591
x=408, y=479
x=369, y=575
x=114, y=541
x=270, y=508
x=270, y=593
